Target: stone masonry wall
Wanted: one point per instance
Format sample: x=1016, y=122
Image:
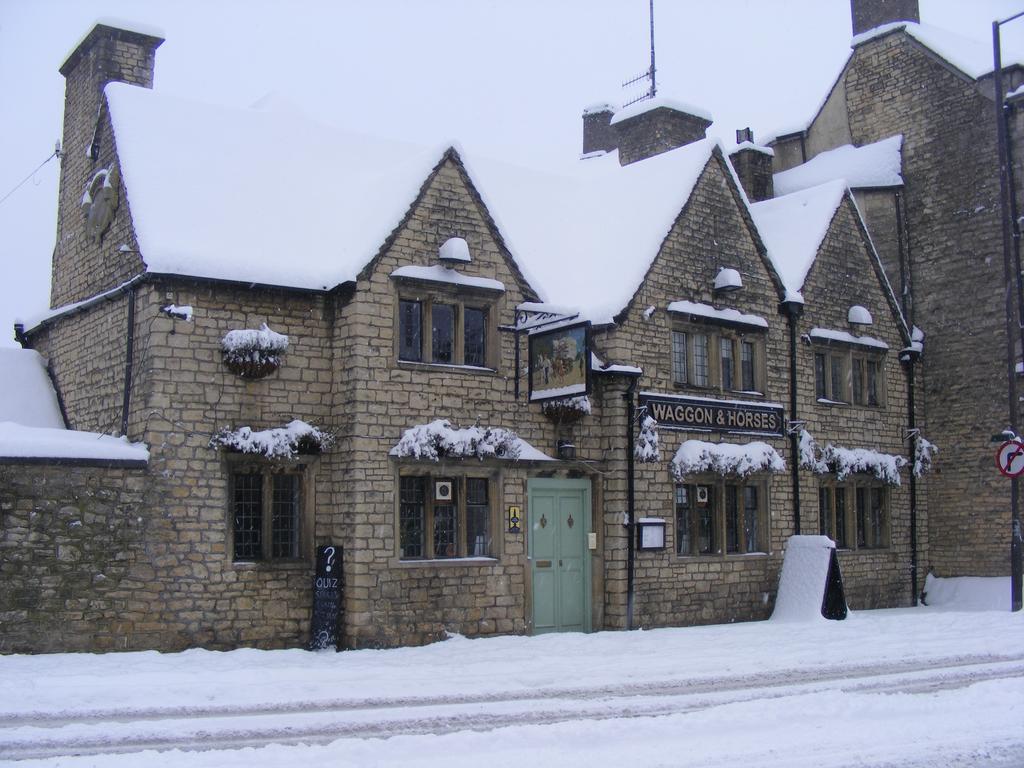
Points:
x=83, y=265
x=72, y=557
x=842, y=276
x=894, y=85
x=671, y=590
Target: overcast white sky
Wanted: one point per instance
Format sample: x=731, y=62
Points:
x=502, y=77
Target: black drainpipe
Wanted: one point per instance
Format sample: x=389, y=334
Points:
x=630, y=505
x=793, y=310
x=129, y=354
x=909, y=359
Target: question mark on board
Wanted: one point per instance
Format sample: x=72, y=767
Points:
x=329, y=551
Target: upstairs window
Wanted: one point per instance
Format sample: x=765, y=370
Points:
x=717, y=359
x=458, y=332
x=848, y=376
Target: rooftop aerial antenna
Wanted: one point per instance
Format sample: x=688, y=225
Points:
x=647, y=75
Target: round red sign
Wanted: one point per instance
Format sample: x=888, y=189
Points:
x=1010, y=458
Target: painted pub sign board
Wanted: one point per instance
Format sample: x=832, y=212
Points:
x=560, y=362
x=700, y=414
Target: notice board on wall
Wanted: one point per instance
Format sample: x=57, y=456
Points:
x=328, y=590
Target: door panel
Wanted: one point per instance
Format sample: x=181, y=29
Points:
x=559, y=513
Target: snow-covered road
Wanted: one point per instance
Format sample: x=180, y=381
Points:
x=911, y=687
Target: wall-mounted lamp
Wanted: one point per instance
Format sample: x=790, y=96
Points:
x=859, y=315
x=727, y=281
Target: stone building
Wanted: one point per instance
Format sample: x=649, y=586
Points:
x=341, y=360
x=934, y=216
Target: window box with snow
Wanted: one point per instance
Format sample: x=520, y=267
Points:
x=718, y=350
x=721, y=497
x=848, y=369
x=445, y=317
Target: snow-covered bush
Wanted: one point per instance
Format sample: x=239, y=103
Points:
x=843, y=462
x=646, y=448
x=439, y=439
x=294, y=439
x=697, y=456
x=566, y=410
x=253, y=354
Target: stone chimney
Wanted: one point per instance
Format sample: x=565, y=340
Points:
x=598, y=134
x=649, y=128
x=753, y=165
x=107, y=54
x=868, y=14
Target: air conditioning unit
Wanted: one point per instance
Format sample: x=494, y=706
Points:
x=702, y=494
x=443, y=490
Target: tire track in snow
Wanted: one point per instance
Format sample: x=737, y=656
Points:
x=321, y=725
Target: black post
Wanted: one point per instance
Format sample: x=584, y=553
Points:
x=1011, y=357
x=630, y=511
x=793, y=311
x=909, y=360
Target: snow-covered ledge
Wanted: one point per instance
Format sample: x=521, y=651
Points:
x=843, y=462
x=440, y=440
x=706, y=311
x=845, y=337
x=447, y=276
x=736, y=459
x=293, y=439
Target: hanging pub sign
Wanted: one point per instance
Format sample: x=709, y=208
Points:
x=560, y=362
x=700, y=414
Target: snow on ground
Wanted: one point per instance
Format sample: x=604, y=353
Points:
x=906, y=687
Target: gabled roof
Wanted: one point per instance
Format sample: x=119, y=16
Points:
x=876, y=165
x=257, y=196
x=793, y=227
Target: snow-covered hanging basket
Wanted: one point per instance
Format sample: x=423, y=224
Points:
x=566, y=410
x=296, y=438
x=843, y=462
x=253, y=354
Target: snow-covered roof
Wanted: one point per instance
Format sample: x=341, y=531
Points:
x=792, y=228
x=972, y=57
x=27, y=396
x=21, y=442
x=647, y=105
x=588, y=231
x=873, y=165
x=230, y=193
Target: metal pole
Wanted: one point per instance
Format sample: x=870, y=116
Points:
x=630, y=511
x=654, y=86
x=793, y=314
x=1011, y=357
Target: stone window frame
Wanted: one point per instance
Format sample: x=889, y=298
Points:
x=861, y=533
x=459, y=474
x=462, y=297
x=718, y=486
x=248, y=465
x=715, y=335
x=831, y=359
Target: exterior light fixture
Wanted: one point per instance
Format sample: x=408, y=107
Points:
x=453, y=251
x=727, y=281
x=859, y=315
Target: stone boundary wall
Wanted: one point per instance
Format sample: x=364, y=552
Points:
x=71, y=556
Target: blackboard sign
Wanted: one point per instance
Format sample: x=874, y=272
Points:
x=328, y=588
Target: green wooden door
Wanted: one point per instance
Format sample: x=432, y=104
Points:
x=559, y=513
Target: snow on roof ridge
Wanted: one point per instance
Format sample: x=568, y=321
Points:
x=878, y=164
x=793, y=227
x=970, y=56
x=661, y=102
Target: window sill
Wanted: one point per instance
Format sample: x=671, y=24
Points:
x=718, y=556
x=414, y=365
x=277, y=565
x=442, y=562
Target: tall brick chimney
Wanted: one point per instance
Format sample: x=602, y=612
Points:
x=651, y=127
x=753, y=165
x=868, y=14
x=107, y=54
x=598, y=134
